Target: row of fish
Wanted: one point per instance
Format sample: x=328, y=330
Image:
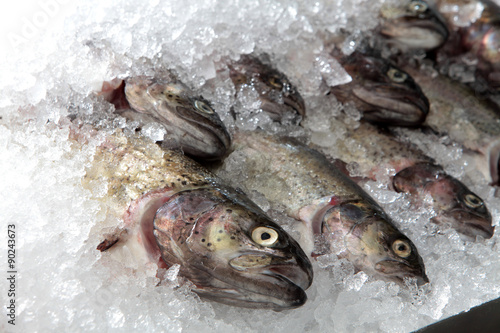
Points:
x=227, y=247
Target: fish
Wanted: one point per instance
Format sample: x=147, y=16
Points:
x=190, y=119
x=412, y=25
x=412, y=172
x=475, y=27
x=278, y=97
x=175, y=212
x=458, y=112
x=334, y=209
x=384, y=93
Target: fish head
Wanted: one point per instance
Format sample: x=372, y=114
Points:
x=413, y=25
x=381, y=91
x=454, y=204
x=373, y=244
x=277, y=95
x=193, y=122
x=233, y=253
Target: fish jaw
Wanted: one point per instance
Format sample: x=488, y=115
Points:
x=213, y=239
x=190, y=119
x=277, y=95
x=365, y=236
x=415, y=29
x=454, y=204
x=390, y=105
x=380, y=97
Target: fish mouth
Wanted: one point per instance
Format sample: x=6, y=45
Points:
x=279, y=285
x=398, y=272
x=467, y=223
x=392, y=105
x=208, y=139
x=277, y=111
x=426, y=34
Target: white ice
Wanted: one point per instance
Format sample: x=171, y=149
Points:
x=57, y=53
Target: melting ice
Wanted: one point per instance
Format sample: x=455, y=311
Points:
x=64, y=284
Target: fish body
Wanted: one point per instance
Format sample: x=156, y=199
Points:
x=330, y=204
x=187, y=118
x=381, y=91
x=411, y=171
x=468, y=120
x=412, y=25
x=278, y=97
x=176, y=212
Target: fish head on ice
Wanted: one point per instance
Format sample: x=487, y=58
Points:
x=364, y=234
x=232, y=252
x=413, y=25
x=190, y=118
x=277, y=95
x=454, y=204
x=381, y=91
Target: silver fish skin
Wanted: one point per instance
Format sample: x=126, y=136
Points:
x=384, y=93
x=458, y=112
x=410, y=171
x=187, y=118
x=412, y=25
x=330, y=204
x=176, y=212
x=278, y=96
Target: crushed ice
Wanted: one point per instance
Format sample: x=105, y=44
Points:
x=52, y=72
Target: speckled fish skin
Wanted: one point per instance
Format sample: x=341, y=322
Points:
x=277, y=95
x=416, y=174
x=381, y=91
x=175, y=209
x=331, y=205
x=413, y=25
x=457, y=112
x=188, y=119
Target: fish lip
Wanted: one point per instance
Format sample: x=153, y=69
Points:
x=217, y=133
x=296, y=271
x=481, y=225
x=284, y=272
x=395, y=100
x=286, y=275
x=277, y=111
x=420, y=276
x=295, y=103
x=433, y=29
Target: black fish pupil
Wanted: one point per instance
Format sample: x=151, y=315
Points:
x=402, y=248
x=265, y=236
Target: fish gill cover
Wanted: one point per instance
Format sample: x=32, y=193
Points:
x=58, y=54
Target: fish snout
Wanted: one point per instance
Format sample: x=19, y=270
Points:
x=467, y=223
x=285, y=270
x=393, y=105
x=397, y=271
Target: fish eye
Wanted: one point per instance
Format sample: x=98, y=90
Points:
x=418, y=7
x=276, y=82
x=203, y=107
x=402, y=248
x=265, y=236
x=473, y=201
x=396, y=75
